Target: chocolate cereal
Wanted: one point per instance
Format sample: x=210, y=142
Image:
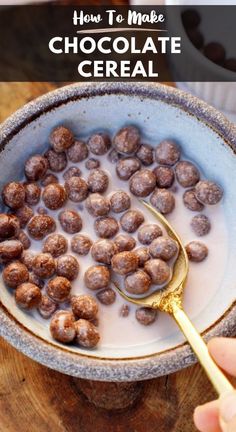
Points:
x=56, y=245
x=81, y=244
x=131, y=220
x=127, y=140
x=99, y=144
x=70, y=221
x=98, y=181
x=125, y=168
x=78, y=152
x=142, y=183
x=197, y=251
x=120, y=201
x=84, y=306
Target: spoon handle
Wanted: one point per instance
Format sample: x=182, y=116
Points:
x=214, y=373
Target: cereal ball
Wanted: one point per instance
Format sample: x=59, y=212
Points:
x=124, y=262
x=67, y=266
x=73, y=171
x=124, y=242
x=191, y=18
x=106, y=227
x=208, y=192
x=230, y=64
x=57, y=161
x=113, y=156
x=98, y=181
x=42, y=211
x=164, y=176
x=145, y=154
x=99, y=143
x=187, y=174
x=143, y=255
x=27, y=258
x=32, y=193
x=97, y=277
x=86, y=334
x=40, y=226
x=58, y=289
x=127, y=140
x=24, y=214
x=164, y=248
x=106, y=296
x=77, y=189
x=9, y=226
x=84, y=306
x=28, y=295
x=62, y=326
x=78, y=152
x=10, y=250
x=49, y=179
x=34, y=279
x=61, y=139
x=54, y=196
x=120, y=201
x=131, y=220
x=196, y=37
x=146, y=316
x=163, y=200
x=215, y=52
x=167, y=152
x=15, y=274
x=92, y=163
x=124, y=310
x=81, y=244
x=125, y=168
x=190, y=201
x=56, y=245
x=13, y=195
x=200, y=225
x=149, y=232
x=97, y=205
x=138, y=282
x=103, y=250
x=24, y=239
x=142, y=183
x=196, y=251
x=70, y=221
x=158, y=270
x=36, y=167
x=44, y=265
x=47, y=307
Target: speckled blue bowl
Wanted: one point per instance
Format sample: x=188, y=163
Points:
x=161, y=111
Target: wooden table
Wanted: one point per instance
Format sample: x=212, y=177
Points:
x=36, y=399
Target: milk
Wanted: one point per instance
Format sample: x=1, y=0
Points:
x=203, y=279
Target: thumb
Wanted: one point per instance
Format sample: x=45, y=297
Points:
x=227, y=412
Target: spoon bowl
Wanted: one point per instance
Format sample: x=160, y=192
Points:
x=165, y=298
x=169, y=299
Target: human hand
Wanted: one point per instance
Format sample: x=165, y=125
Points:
x=207, y=417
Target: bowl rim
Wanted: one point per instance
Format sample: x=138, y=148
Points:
x=82, y=365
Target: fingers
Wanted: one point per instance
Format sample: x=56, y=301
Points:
x=206, y=417
x=223, y=350
x=227, y=412
x=230, y=427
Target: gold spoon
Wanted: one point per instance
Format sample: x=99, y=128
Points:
x=169, y=299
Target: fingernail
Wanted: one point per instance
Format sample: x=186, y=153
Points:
x=228, y=407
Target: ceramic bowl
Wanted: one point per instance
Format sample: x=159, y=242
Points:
x=221, y=91
x=206, y=137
